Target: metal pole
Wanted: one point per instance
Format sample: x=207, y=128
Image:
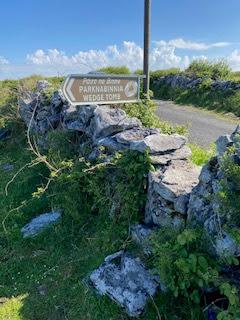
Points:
x=147, y=23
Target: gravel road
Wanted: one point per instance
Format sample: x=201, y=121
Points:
x=204, y=127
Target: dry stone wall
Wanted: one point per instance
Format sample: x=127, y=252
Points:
x=179, y=193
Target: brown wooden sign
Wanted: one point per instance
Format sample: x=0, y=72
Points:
x=101, y=89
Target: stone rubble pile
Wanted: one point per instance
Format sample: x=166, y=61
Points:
x=186, y=82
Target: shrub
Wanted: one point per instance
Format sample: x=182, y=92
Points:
x=186, y=270
x=115, y=70
x=165, y=72
x=214, y=70
x=146, y=113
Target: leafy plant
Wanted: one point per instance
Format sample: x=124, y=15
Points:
x=146, y=113
x=202, y=68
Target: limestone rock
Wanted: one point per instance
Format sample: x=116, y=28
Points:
x=179, y=154
x=226, y=246
x=42, y=85
x=108, y=121
x=223, y=143
x=38, y=224
x=128, y=282
x=178, y=179
x=159, y=143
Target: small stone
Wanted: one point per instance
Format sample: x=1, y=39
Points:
x=38, y=224
x=8, y=167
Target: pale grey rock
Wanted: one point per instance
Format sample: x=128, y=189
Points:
x=223, y=143
x=178, y=179
x=135, y=134
x=111, y=144
x=179, y=154
x=108, y=121
x=38, y=224
x=159, y=143
x=226, y=246
x=205, y=175
x=128, y=283
x=79, y=119
x=42, y=85
x=181, y=204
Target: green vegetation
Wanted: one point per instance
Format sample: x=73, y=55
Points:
x=115, y=70
x=213, y=70
x=146, y=112
x=46, y=277
x=203, y=95
x=200, y=156
x=185, y=270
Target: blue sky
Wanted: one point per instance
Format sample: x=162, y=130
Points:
x=57, y=37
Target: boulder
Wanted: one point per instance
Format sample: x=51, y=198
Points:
x=40, y=223
x=108, y=121
x=127, y=282
x=178, y=179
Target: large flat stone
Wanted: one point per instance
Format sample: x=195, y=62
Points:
x=159, y=143
x=128, y=282
x=178, y=179
x=179, y=154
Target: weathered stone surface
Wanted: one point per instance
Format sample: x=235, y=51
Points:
x=168, y=193
x=38, y=224
x=226, y=246
x=42, y=85
x=178, y=179
x=128, y=282
x=107, y=121
x=133, y=135
x=223, y=143
x=179, y=154
x=159, y=143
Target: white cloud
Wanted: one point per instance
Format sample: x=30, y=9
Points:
x=234, y=60
x=180, y=43
x=164, y=54
x=3, y=60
